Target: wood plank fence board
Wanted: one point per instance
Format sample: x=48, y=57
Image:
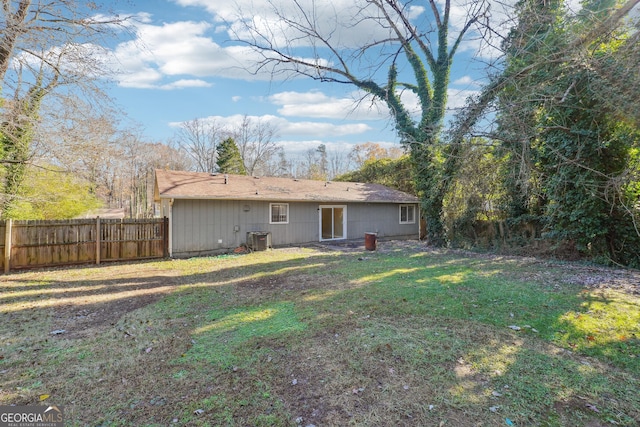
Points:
x=52, y=243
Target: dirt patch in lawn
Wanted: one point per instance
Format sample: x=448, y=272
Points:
x=77, y=309
x=562, y=273
x=84, y=323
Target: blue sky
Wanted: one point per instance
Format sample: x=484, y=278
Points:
x=177, y=64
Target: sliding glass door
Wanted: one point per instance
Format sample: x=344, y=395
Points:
x=333, y=222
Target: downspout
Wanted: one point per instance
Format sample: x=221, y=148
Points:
x=419, y=223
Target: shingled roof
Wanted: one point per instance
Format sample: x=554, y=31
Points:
x=195, y=185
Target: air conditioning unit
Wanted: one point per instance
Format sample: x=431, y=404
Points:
x=258, y=240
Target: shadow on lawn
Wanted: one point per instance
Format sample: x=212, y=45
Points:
x=443, y=313
x=543, y=381
x=103, y=294
x=422, y=283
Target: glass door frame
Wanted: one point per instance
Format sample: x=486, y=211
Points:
x=344, y=222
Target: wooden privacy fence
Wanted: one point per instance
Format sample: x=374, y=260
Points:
x=30, y=244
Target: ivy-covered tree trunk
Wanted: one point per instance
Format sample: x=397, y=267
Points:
x=434, y=158
x=16, y=155
x=16, y=136
x=435, y=166
x=426, y=180
x=13, y=177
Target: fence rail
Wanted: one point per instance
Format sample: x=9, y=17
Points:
x=31, y=244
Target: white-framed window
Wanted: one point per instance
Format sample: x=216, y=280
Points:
x=407, y=214
x=279, y=213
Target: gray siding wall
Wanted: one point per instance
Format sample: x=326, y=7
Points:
x=211, y=226
x=383, y=219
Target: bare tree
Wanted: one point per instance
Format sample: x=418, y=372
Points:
x=199, y=139
x=255, y=138
x=320, y=163
x=280, y=165
x=313, y=164
x=256, y=142
x=35, y=28
x=85, y=141
x=117, y=162
x=360, y=153
x=339, y=163
x=139, y=161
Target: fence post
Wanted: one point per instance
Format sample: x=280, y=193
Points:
x=165, y=237
x=7, y=245
x=97, y=240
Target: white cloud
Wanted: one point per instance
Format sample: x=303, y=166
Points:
x=323, y=129
x=467, y=81
x=286, y=128
x=318, y=105
x=142, y=78
x=188, y=48
x=411, y=102
x=348, y=21
x=186, y=83
x=457, y=98
x=160, y=52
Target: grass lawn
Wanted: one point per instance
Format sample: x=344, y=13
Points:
x=404, y=336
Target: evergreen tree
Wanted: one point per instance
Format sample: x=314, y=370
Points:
x=229, y=159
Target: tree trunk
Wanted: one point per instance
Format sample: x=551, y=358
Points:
x=426, y=178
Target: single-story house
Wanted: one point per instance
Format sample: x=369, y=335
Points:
x=213, y=213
